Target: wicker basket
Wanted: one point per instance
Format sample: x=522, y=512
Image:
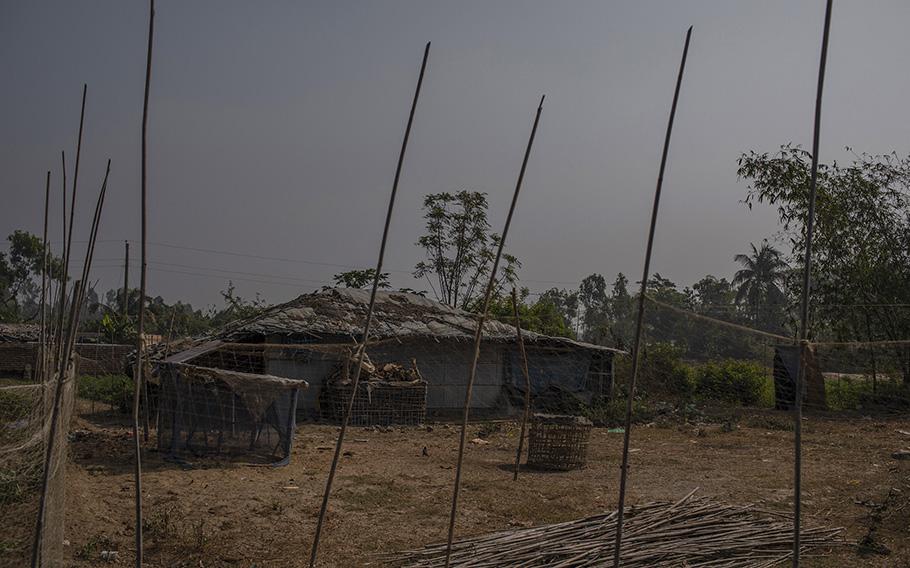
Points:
x=558, y=442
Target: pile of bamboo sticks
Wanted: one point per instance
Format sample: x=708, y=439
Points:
x=694, y=531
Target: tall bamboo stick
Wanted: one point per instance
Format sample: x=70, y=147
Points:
x=42, y=347
x=90, y=254
x=314, y=551
x=636, y=346
x=38, y=537
x=57, y=293
x=478, y=334
x=140, y=340
x=527, y=377
x=126, y=279
x=62, y=364
x=69, y=229
x=63, y=177
x=804, y=301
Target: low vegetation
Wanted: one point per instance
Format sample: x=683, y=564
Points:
x=114, y=390
x=18, y=473
x=863, y=395
x=14, y=406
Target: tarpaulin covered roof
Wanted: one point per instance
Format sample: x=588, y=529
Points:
x=19, y=332
x=397, y=315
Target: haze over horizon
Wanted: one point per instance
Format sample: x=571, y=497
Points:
x=274, y=128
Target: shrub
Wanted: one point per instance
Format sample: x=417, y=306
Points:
x=662, y=371
x=731, y=380
x=843, y=394
x=889, y=395
x=14, y=405
x=611, y=413
x=856, y=394
x=115, y=390
x=93, y=547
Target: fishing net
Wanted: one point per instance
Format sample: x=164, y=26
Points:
x=207, y=411
x=725, y=376
x=17, y=359
x=25, y=424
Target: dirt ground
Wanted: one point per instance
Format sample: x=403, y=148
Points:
x=389, y=496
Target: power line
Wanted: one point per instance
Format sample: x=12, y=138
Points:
x=279, y=276
x=298, y=260
x=297, y=281
x=119, y=264
x=240, y=279
x=260, y=257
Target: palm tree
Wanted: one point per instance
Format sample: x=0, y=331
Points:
x=760, y=281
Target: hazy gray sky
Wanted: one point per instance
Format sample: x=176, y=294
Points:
x=275, y=126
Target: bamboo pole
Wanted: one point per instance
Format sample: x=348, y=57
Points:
x=58, y=290
x=478, y=334
x=804, y=301
x=69, y=229
x=314, y=551
x=636, y=348
x=140, y=347
x=42, y=347
x=63, y=364
x=63, y=177
x=527, y=376
x=86, y=266
x=126, y=279
x=49, y=451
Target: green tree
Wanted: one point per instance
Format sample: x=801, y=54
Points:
x=760, y=284
x=668, y=324
x=622, y=310
x=20, y=276
x=564, y=302
x=541, y=316
x=235, y=307
x=360, y=279
x=168, y=320
x=716, y=298
x=860, y=257
x=592, y=295
x=460, y=249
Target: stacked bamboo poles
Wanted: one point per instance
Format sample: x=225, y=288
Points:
x=694, y=532
x=314, y=550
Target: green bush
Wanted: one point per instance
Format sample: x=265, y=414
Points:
x=856, y=394
x=730, y=380
x=13, y=485
x=662, y=372
x=612, y=413
x=115, y=390
x=843, y=394
x=14, y=405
